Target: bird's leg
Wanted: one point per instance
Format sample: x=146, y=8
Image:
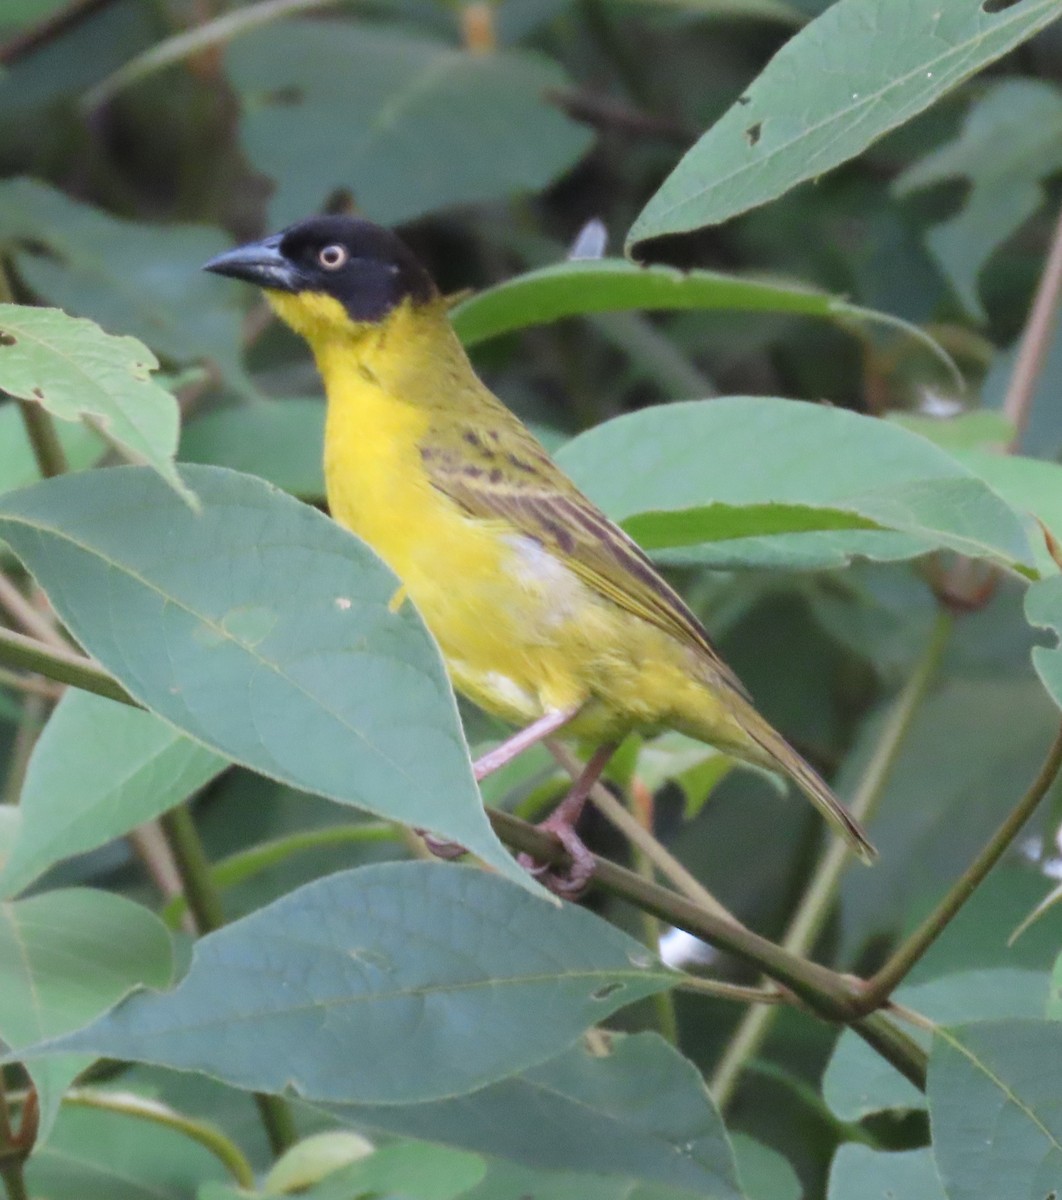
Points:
x=561, y=823
x=499, y=757
x=522, y=740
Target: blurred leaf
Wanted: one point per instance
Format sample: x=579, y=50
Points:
x=262, y=630
x=848, y=77
x=310, y=1160
x=1053, y=1009
x=98, y=770
x=77, y=372
x=751, y=472
x=694, y=766
x=976, y=745
x=766, y=1174
x=1011, y=140
x=763, y=10
x=278, y=440
x=130, y=276
x=857, y=1082
x=410, y=125
x=859, y=1173
x=18, y=464
x=94, y=1155
x=979, y=429
x=388, y=984
x=639, y=1111
x=23, y=12
x=411, y=1170
x=1043, y=607
x=65, y=957
x=994, y=1109
x=575, y=288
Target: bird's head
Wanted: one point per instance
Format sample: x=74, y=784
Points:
x=327, y=275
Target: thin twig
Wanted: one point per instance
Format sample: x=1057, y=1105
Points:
x=47, y=449
x=66, y=666
x=808, y=920
x=878, y=989
x=30, y=619
x=149, y=844
x=661, y=858
x=1036, y=339
x=48, y=29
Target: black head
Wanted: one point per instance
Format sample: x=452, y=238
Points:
x=367, y=268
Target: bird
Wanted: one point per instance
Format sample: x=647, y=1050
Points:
x=547, y=614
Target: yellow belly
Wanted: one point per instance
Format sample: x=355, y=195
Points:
x=521, y=634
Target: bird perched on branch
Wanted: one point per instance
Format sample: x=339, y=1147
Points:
x=547, y=614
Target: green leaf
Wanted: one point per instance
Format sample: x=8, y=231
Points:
x=18, y=464
x=65, y=957
x=1010, y=141
x=411, y=1170
x=859, y=1173
x=79, y=373
x=389, y=984
x=277, y=440
x=851, y=75
x=764, y=1172
x=314, y=1157
x=98, y=770
x=857, y=1082
x=95, y=1155
x=694, y=766
x=408, y=124
x=262, y=630
x=978, y=429
x=131, y=276
x=1043, y=607
x=640, y=1112
x=741, y=478
x=995, y=1109
x=573, y=289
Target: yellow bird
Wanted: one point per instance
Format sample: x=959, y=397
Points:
x=548, y=614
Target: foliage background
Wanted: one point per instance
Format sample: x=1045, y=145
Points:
x=135, y=144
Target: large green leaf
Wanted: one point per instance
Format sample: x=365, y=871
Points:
x=407, y=124
x=65, y=957
x=98, y=770
x=857, y=1082
x=1012, y=139
x=995, y=1109
x=262, y=630
x=741, y=478
x=388, y=984
x=851, y=75
x=130, y=276
x=859, y=1173
x=1043, y=607
x=640, y=1112
x=572, y=289
x=77, y=372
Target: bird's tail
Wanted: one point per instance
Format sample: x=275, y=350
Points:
x=817, y=790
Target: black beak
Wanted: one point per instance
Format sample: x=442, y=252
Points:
x=261, y=263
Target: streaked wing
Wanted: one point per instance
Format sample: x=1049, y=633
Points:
x=502, y=473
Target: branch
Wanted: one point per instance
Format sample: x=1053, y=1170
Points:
x=877, y=990
x=65, y=666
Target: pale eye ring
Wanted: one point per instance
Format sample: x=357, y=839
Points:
x=333, y=257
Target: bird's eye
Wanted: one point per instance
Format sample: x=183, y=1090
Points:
x=333, y=257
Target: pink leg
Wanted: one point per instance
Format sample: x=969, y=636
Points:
x=497, y=758
x=561, y=823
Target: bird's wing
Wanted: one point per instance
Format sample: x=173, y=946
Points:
x=500, y=472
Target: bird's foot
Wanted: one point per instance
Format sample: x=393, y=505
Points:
x=570, y=881
x=441, y=848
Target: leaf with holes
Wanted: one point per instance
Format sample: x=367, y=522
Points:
x=860, y=69
x=79, y=373
x=389, y=985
